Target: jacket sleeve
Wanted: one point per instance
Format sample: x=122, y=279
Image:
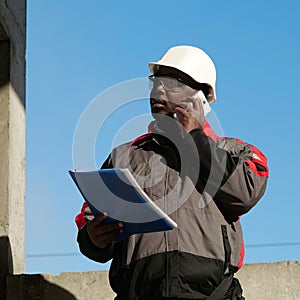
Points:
x=86, y=246
x=88, y=249
x=234, y=173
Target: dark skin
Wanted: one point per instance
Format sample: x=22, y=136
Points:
x=163, y=103
x=102, y=235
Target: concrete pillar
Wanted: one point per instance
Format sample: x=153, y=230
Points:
x=12, y=137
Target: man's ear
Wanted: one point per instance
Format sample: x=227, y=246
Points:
x=210, y=96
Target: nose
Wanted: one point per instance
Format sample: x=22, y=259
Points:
x=158, y=90
x=160, y=87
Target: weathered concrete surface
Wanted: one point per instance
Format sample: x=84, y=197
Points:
x=13, y=21
x=271, y=280
x=276, y=281
x=87, y=285
x=12, y=135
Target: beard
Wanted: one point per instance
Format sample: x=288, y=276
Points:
x=167, y=124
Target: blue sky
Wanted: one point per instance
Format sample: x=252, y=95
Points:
x=76, y=50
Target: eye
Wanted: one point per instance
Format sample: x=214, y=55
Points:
x=170, y=84
x=181, y=83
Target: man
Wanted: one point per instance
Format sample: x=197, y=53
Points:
x=205, y=183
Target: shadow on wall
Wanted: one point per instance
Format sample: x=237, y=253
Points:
x=28, y=287
x=25, y=287
x=12, y=64
x=6, y=264
x=5, y=57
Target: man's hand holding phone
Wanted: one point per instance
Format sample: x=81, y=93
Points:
x=191, y=111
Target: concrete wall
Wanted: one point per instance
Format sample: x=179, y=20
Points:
x=12, y=137
x=271, y=281
x=276, y=281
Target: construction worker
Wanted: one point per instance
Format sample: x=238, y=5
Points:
x=213, y=181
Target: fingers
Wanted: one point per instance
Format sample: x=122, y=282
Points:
x=89, y=218
x=182, y=112
x=190, y=102
x=88, y=211
x=101, y=234
x=99, y=219
x=189, y=117
x=191, y=107
x=88, y=215
x=186, y=107
x=98, y=225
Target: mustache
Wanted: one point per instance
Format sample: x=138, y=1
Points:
x=158, y=100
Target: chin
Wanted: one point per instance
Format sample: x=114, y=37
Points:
x=161, y=114
x=160, y=111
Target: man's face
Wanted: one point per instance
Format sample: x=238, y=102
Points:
x=170, y=88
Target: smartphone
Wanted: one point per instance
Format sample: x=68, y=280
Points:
x=206, y=107
x=201, y=97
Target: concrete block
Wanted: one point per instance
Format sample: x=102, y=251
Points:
x=276, y=281
x=67, y=286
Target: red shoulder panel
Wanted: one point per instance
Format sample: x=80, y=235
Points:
x=139, y=139
x=258, y=159
x=207, y=130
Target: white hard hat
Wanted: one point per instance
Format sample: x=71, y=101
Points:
x=193, y=62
